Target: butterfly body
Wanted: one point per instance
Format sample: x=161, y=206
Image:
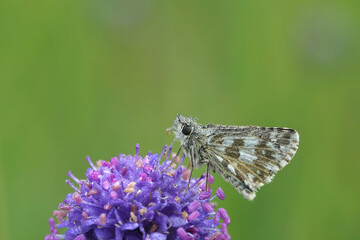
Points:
x=245, y=156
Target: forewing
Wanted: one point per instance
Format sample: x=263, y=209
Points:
x=249, y=157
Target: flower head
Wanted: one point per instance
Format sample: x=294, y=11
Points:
x=134, y=197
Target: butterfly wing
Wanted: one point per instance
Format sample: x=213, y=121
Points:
x=248, y=157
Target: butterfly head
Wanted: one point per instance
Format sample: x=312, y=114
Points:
x=182, y=127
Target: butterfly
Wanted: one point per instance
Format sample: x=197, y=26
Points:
x=247, y=157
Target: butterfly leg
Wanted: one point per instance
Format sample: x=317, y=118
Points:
x=191, y=171
x=207, y=178
x=173, y=160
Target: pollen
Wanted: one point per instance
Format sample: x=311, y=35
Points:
x=107, y=206
x=139, y=163
x=184, y=214
x=142, y=211
x=102, y=219
x=93, y=192
x=130, y=188
x=77, y=198
x=98, y=163
x=133, y=217
x=170, y=173
x=116, y=186
x=153, y=228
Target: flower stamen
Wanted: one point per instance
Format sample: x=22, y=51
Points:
x=130, y=188
x=102, y=219
x=184, y=214
x=133, y=217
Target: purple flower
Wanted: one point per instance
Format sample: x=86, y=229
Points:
x=132, y=197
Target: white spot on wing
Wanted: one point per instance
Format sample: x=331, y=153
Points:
x=251, y=177
x=246, y=182
x=219, y=158
x=231, y=168
x=295, y=136
x=277, y=157
x=292, y=151
x=268, y=179
x=284, y=148
x=228, y=142
x=283, y=163
x=272, y=167
x=248, y=143
x=244, y=156
x=220, y=148
x=252, y=151
x=270, y=144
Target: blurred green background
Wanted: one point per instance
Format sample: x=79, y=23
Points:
x=94, y=78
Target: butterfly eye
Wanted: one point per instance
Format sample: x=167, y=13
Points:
x=186, y=129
